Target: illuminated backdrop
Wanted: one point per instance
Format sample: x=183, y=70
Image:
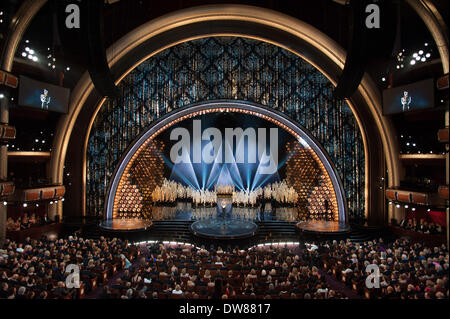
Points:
x=232, y=68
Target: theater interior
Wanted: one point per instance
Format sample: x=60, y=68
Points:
x=242, y=150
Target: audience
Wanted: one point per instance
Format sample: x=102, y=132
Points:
x=407, y=270
x=185, y=271
x=37, y=269
x=422, y=226
x=23, y=222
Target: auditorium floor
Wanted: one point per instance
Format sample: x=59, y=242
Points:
x=332, y=282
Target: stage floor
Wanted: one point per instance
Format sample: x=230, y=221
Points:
x=186, y=211
x=126, y=224
x=323, y=227
x=221, y=228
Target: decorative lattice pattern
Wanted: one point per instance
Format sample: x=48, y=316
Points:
x=136, y=186
x=225, y=68
x=306, y=173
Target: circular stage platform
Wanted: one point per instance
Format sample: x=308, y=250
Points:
x=218, y=228
x=323, y=227
x=126, y=224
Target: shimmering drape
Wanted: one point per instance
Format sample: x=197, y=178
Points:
x=225, y=68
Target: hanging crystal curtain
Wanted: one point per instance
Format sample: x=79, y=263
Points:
x=225, y=68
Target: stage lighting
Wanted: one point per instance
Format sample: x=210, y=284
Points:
x=412, y=62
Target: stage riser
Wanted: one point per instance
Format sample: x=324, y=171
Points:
x=270, y=231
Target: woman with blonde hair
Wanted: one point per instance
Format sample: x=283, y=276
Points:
x=184, y=273
x=207, y=274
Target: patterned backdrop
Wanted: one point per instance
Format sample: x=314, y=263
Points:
x=232, y=68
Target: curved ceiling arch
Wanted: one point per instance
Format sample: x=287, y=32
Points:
x=321, y=47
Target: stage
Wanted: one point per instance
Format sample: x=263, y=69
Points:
x=323, y=227
x=224, y=228
x=126, y=224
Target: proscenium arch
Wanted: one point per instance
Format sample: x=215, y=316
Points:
x=29, y=8
x=256, y=110
x=316, y=45
x=296, y=104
